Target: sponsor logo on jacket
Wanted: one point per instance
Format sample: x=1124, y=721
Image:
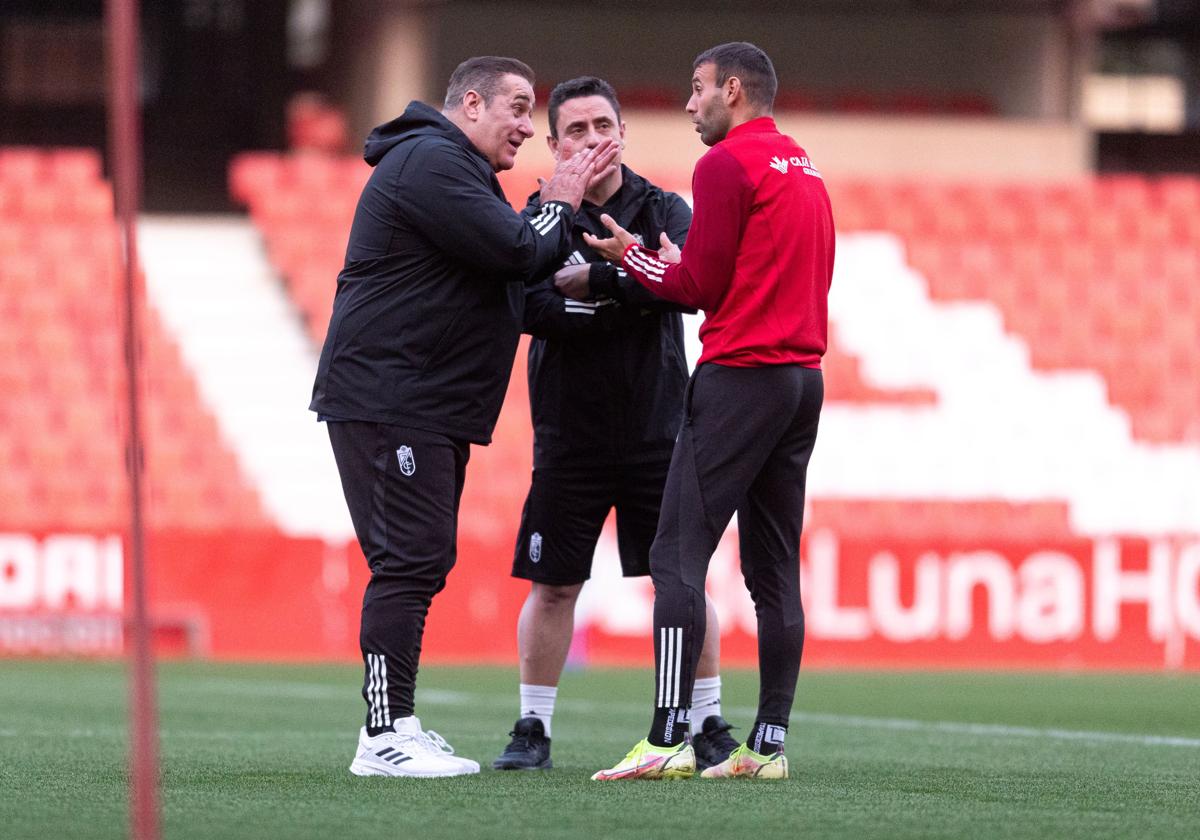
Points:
x=800, y=162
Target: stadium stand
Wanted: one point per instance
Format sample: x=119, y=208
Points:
x=1097, y=275
x=851, y=101
x=1094, y=275
x=61, y=369
x=303, y=205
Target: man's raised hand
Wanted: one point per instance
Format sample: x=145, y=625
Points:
x=572, y=176
x=668, y=251
x=613, y=248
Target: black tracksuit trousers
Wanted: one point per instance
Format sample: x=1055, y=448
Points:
x=745, y=443
x=403, y=488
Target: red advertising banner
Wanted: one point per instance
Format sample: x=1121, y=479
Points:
x=1076, y=603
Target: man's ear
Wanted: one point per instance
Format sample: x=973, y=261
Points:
x=472, y=104
x=733, y=88
x=552, y=143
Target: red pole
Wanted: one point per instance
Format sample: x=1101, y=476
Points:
x=125, y=154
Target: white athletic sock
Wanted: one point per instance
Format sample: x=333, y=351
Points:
x=538, y=701
x=706, y=701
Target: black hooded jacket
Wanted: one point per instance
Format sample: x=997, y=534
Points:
x=607, y=377
x=428, y=307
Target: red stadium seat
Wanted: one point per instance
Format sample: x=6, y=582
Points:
x=22, y=165
x=254, y=174
x=74, y=166
x=61, y=442
x=1094, y=274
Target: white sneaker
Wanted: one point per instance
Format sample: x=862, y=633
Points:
x=408, y=752
x=448, y=751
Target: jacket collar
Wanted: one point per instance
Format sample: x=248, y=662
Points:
x=623, y=205
x=758, y=125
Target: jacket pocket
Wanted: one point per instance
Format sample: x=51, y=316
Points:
x=687, y=396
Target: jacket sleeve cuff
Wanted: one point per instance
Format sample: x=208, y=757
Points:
x=644, y=265
x=602, y=280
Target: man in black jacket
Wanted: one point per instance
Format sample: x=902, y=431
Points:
x=606, y=384
x=417, y=358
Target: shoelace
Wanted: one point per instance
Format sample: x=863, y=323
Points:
x=721, y=737
x=438, y=743
x=521, y=741
x=429, y=743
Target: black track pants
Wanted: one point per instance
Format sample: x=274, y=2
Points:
x=403, y=488
x=744, y=446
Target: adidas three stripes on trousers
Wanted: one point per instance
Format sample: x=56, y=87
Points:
x=746, y=440
x=403, y=488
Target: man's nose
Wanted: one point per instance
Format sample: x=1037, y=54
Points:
x=525, y=126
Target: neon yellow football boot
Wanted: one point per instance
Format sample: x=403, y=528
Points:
x=646, y=761
x=745, y=763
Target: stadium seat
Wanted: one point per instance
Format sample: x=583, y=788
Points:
x=74, y=166
x=1090, y=273
x=1093, y=274
x=62, y=439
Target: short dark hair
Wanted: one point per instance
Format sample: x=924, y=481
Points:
x=482, y=74
x=575, y=88
x=750, y=64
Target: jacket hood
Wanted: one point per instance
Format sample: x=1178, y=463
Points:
x=418, y=120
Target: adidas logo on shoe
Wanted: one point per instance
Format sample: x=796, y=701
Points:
x=408, y=751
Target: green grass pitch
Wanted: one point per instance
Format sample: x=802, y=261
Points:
x=256, y=751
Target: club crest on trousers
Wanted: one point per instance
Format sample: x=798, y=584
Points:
x=408, y=464
x=535, y=547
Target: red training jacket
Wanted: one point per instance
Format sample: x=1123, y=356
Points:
x=759, y=256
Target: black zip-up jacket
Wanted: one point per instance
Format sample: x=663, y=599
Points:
x=428, y=307
x=607, y=377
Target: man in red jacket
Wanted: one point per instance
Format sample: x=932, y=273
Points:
x=759, y=262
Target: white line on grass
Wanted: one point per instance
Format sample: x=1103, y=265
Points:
x=817, y=719
x=987, y=729
x=466, y=698
x=993, y=730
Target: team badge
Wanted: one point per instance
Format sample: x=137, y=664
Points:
x=408, y=464
x=535, y=547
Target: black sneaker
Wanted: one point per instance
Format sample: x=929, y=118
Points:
x=529, y=748
x=714, y=743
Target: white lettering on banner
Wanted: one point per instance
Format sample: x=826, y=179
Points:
x=1040, y=598
x=1112, y=587
x=894, y=621
x=1050, y=606
x=964, y=572
x=18, y=571
x=1187, y=591
x=66, y=571
x=56, y=634
x=620, y=606
x=823, y=614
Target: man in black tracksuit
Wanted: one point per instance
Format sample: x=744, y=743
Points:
x=417, y=358
x=606, y=383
